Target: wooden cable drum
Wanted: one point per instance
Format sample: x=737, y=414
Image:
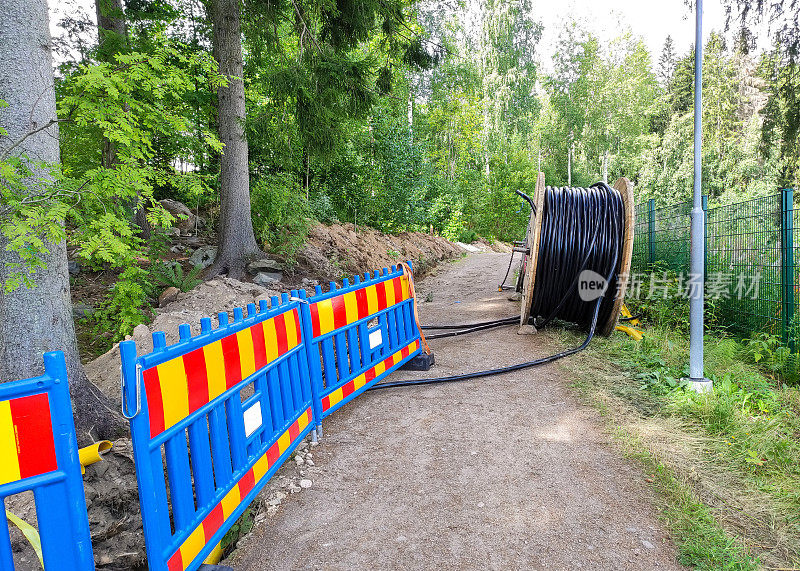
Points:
x=536, y=250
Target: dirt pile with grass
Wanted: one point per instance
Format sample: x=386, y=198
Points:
x=341, y=250
x=206, y=300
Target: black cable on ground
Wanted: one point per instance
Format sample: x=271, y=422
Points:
x=582, y=229
x=472, y=329
x=503, y=285
x=467, y=325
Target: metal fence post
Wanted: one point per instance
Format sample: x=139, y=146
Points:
x=651, y=230
x=787, y=264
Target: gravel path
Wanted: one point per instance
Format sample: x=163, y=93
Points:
x=508, y=472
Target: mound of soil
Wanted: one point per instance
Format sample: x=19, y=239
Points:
x=206, y=300
x=342, y=250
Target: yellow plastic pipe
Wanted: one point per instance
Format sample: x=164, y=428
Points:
x=635, y=333
x=93, y=453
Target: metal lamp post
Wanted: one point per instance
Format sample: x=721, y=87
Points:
x=698, y=380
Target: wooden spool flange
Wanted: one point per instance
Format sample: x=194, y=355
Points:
x=625, y=188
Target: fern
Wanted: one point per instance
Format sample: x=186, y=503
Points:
x=173, y=276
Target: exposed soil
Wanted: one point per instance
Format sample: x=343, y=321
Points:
x=330, y=253
x=504, y=472
x=342, y=250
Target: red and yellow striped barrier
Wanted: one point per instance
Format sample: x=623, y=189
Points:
x=331, y=314
x=349, y=388
x=203, y=533
x=27, y=446
x=182, y=385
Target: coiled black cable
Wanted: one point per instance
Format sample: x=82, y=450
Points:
x=582, y=229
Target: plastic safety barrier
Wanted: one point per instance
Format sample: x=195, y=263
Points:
x=39, y=453
x=212, y=418
x=358, y=334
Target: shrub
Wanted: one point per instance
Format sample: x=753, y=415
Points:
x=280, y=215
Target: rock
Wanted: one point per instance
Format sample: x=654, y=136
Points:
x=265, y=265
x=298, y=460
x=81, y=310
x=203, y=256
x=73, y=267
x=168, y=296
x=310, y=462
x=308, y=282
x=468, y=247
x=185, y=220
x=267, y=278
x=305, y=483
x=647, y=544
x=276, y=499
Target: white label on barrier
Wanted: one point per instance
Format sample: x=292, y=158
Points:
x=252, y=418
x=375, y=338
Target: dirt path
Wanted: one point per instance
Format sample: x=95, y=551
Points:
x=508, y=472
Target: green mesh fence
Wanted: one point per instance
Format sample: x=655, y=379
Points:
x=641, y=256
x=750, y=258
x=670, y=236
x=743, y=245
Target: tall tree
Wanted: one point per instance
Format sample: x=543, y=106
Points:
x=666, y=63
x=237, y=242
x=38, y=318
x=112, y=35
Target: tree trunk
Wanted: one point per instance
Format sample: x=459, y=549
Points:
x=112, y=34
x=569, y=165
x=237, y=243
x=36, y=320
x=411, y=114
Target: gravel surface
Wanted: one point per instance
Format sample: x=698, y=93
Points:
x=507, y=472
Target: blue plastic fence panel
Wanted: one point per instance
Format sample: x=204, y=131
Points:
x=39, y=452
x=213, y=417
x=358, y=334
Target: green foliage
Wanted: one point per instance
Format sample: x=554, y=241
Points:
x=126, y=305
x=280, y=215
x=770, y=353
x=34, y=199
x=171, y=275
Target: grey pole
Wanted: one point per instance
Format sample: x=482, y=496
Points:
x=698, y=381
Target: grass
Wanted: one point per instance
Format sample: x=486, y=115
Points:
x=726, y=464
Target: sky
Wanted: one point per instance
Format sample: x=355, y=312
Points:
x=653, y=20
